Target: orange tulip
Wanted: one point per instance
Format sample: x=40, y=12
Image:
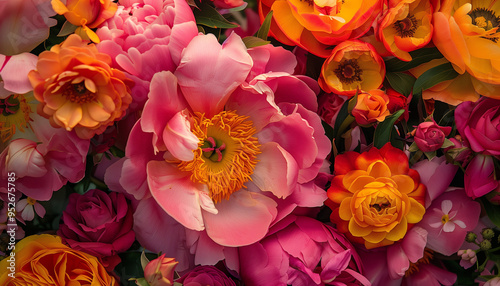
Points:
x=375, y=196
x=86, y=14
x=468, y=38
x=44, y=260
x=406, y=26
x=78, y=89
x=352, y=66
x=316, y=25
x=371, y=107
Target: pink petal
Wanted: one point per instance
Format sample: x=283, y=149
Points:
x=15, y=72
x=449, y=227
x=478, y=177
x=242, y=220
x=28, y=213
x=446, y=206
x=40, y=210
x=460, y=223
x=176, y=193
x=414, y=243
x=208, y=72
x=178, y=138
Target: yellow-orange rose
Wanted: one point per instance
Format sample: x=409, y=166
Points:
x=352, y=66
x=43, y=260
x=375, y=196
x=468, y=37
x=78, y=89
x=316, y=25
x=86, y=14
x=371, y=107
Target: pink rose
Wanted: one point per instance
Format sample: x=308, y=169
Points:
x=479, y=124
x=99, y=224
x=160, y=271
x=206, y=276
x=430, y=137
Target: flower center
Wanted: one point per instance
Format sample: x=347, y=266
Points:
x=487, y=20
x=348, y=71
x=79, y=93
x=14, y=113
x=227, y=153
x=414, y=267
x=31, y=201
x=445, y=218
x=406, y=27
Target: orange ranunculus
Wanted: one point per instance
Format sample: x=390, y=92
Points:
x=86, y=14
x=371, y=107
x=78, y=89
x=453, y=91
x=316, y=25
x=352, y=66
x=468, y=37
x=406, y=26
x=43, y=260
x=375, y=196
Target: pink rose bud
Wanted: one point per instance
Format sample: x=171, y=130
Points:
x=430, y=137
x=160, y=271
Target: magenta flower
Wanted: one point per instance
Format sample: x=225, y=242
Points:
x=301, y=251
x=218, y=150
x=430, y=137
x=205, y=275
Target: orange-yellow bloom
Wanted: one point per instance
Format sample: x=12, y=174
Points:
x=44, y=260
x=468, y=37
x=316, y=25
x=86, y=14
x=353, y=66
x=375, y=196
x=78, y=89
x=406, y=26
x=371, y=107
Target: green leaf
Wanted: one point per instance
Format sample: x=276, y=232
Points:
x=208, y=16
x=341, y=117
x=383, y=131
x=493, y=211
x=401, y=82
x=264, y=28
x=251, y=42
x=66, y=29
x=434, y=76
x=419, y=57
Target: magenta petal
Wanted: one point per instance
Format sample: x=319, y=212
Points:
x=208, y=72
x=178, y=138
x=241, y=220
x=15, y=72
x=397, y=261
x=276, y=171
x=478, y=177
x=176, y=193
x=414, y=243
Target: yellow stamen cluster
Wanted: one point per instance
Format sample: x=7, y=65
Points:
x=414, y=267
x=239, y=157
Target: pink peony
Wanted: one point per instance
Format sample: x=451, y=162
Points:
x=14, y=73
x=430, y=137
x=206, y=276
x=45, y=165
x=98, y=224
x=160, y=271
x=145, y=37
x=448, y=219
x=218, y=151
x=301, y=251
x=25, y=24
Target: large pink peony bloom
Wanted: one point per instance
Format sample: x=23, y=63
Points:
x=224, y=152
x=301, y=251
x=145, y=37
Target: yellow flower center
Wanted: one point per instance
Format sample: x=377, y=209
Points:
x=487, y=20
x=445, y=218
x=414, y=267
x=348, y=71
x=14, y=113
x=226, y=154
x=79, y=93
x=406, y=27
x=31, y=201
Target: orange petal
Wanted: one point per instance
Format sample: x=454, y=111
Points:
x=416, y=213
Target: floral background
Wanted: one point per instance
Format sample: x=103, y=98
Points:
x=269, y=142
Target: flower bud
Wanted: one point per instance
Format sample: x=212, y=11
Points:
x=470, y=237
x=430, y=137
x=485, y=245
x=487, y=233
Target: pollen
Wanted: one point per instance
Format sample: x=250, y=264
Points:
x=79, y=93
x=226, y=155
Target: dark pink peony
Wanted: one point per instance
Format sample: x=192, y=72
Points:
x=98, y=224
x=430, y=137
x=206, y=276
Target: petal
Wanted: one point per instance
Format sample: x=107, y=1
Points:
x=15, y=72
x=446, y=206
x=178, y=138
x=397, y=261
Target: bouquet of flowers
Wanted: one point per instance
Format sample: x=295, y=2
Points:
x=268, y=142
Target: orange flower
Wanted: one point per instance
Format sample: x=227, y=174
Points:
x=371, y=107
x=406, y=26
x=78, y=89
x=44, y=260
x=86, y=14
x=375, y=196
x=353, y=66
x=316, y=25
x=468, y=37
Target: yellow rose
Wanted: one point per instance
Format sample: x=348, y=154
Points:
x=43, y=260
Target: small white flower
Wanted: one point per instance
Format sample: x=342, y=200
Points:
x=447, y=222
